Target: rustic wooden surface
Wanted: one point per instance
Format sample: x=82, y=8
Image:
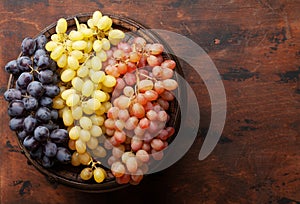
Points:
x=256, y=47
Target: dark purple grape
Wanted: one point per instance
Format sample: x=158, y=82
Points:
x=28, y=46
x=50, y=149
x=63, y=155
x=30, y=123
x=37, y=154
x=22, y=134
x=51, y=90
x=45, y=76
x=30, y=103
x=24, y=64
x=40, y=41
x=12, y=68
x=31, y=143
x=54, y=114
x=41, y=133
x=51, y=126
x=38, y=53
x=12, y=94
x=56, y=79
x=59, y=136
x=47, y=162
x=16, y=108
x=53, y=65
x=24, y=80
x=43, y=114
x=23, y=91
x=35, y=89
x=43, y=62
x=16, y=124
x=46, y=101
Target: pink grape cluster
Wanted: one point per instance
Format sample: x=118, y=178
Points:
x=136, y=124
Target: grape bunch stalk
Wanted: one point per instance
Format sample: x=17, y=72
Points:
x=30, y=103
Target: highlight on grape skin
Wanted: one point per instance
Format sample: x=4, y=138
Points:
x=111, y=96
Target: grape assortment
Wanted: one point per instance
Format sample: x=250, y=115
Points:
x=30, y=104
x=107, y=100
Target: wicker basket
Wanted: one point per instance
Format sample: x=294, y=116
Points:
x=68, y=174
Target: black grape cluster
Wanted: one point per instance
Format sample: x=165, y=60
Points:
x=30, y=103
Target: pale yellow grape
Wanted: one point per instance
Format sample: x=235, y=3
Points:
x=77, y=83
x=109, y=81
x=77, y=54
x=84, y=135
x=75, y=160
x=57, y=52
x=97, y=120
x=73, y=62
x=79, y=45
x=66, y=93
x=96, y=131
x=99, y=176
x=105, y=44
x=86, y=109
x=104, y=23
x=94, y=104
x=55, y=38
x=107, y=89
x=61, y=89
x=96, y=63
x=99, y=152
x=90, y=23
x=97, y=45
x=83, y=71
x=87, y=33
x=89, y=46
x=58, y=103
x=87, y=88
x=80, y=146
x=107, y=105
x=61, y=26
x=115, y=36
x=50, y=46
x=102, y=55
x=85, y=123
x=77, y=112
x=67, y=117
x=97, y=77
x=84, y=158
x=145, y=85
x=62, y=61
x=75, y=35
x=73, y=100
x=99, y=86
x=126, y=156
x=96, y=17
x=99, y=95
x=82, y=26
x=74, y=133
x=107, y=96
x=67, y=75
x=92, y=143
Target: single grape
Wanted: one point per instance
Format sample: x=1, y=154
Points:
x=40, y=41
x=22, y=134
x=31, y=143
x=35, y=89
x=45, y=101
x=24, y=80
x=63, y=155
x=12, y=68
x=86, y=173
x=30, y=103
x=99, y=175
x=59, y=136
x=41, y=133
x=25, y=64
x=30, y=124
x=45, y=76
x=28, y=46
x=37, y=154
x=50, y=149
x=51, y=90
x=16, y=124
x=16, y=108
x=12, y=94
x=43, y=114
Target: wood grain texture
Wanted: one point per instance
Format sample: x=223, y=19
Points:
x=258, y=56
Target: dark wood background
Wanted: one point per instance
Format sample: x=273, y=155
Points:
x=256, y=47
